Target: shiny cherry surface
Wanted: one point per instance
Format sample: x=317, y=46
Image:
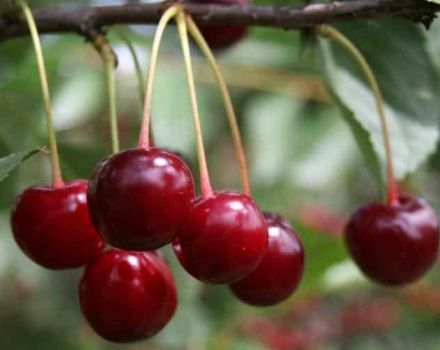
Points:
x=280, y=271
x=223, y=239
x=138, y=198
x=394, y=245
x=53, y=228
x=127, y=296
x=221, y=37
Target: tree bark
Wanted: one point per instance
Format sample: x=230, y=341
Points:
x=88, y=20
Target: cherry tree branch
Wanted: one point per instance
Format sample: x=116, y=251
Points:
x=84, y=21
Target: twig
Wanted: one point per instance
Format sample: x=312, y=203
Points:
x=88, y=19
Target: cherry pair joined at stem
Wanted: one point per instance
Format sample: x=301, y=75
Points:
x=138, y=198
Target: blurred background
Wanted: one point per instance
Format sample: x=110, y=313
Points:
x=305, y=162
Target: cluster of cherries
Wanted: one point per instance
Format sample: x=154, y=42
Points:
x=139, y=200
x=142, y=199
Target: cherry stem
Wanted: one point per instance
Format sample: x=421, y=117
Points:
x=57, y=180
x=144, y=137
x=109, y=59
x=232, y=118
x=206, y=187
x=332, y=33
x=139, y=75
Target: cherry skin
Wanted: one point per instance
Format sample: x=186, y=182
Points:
x=394, y=245
x=53, y=228
x=138, y=198
x=127, y=296
x=221, y=37
x=280, y=271
x=223, y=239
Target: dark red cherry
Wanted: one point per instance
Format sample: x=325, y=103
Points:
x=223, y=239
x=394, y=245
x=127, y=296
x=53, y=228
x=138, y=198
x=280, y=271
x=220, y=37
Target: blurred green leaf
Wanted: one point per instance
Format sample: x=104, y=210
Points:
x=12, y=161
x=322, y=252
x=408, y=81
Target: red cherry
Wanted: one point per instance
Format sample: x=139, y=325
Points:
x=53, y=228
x=394, y=245
x=220, y=37
x=126, y=296
x=138, y=198
x=280, y=271
x=223, y=239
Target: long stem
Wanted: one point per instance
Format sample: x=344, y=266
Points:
x=204, y=174
x=111, y=90
x=232, y=118
x=330, y=32
x=139, y=75
x=57, y=180
x=144, y=141
x=109, y=59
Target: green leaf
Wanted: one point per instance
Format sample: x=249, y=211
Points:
x=361, y=136
x=12, y=161
x=409, y=83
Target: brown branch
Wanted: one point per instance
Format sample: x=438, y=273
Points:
x=91, y=19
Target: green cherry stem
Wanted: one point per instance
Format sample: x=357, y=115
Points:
x=144, y=137
x=331, y=33
x=108, y=57
x=57, y=180
x=139, y=75
x=232, y=118
x=204, y=174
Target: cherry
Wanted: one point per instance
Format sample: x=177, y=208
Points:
x=223, y=239
x=394, y=244
x=280, y=271
x=126, y=296
x=53, y=228
x=138, y=197
x=220, y=37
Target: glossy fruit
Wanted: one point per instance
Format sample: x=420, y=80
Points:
x=220, y=37
x=53, y=228
x=127, y=296
x=138, y=198
x=223, y=239
x=280, y=271
x=394, y=245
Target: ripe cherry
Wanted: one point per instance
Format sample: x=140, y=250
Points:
x=280, y=271
x=223, y=239
x=394, y=244
x=138, y=198
x=220, y=37
x=53, y=228
x=127, y=296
